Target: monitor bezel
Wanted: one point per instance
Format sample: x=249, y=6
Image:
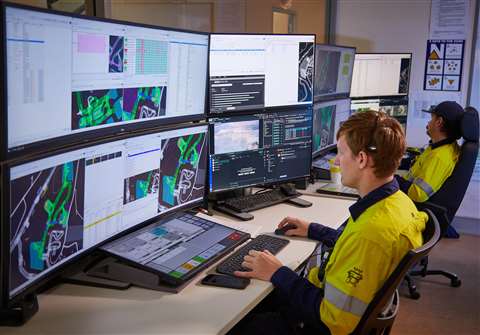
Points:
x=5, y=299
x=387, y=95
x=41, y=146
x=264, y=108
x=335, y=96
x=260, y=185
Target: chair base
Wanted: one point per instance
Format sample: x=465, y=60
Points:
x=412, y=288
x=454, y=280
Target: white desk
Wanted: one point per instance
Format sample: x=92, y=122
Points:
x=72, y=309
x=312, y=191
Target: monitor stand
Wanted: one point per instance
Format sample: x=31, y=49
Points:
x=19, y=313
x=115, y=274
x=244, y=216
x=284, y=193
x=299, y=202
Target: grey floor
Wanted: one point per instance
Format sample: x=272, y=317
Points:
x=443, y=309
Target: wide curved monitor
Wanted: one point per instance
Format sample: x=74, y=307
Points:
x=253, y=71
x=333, y=71
x=381, y=74
x=63, y=205
x=71, y=78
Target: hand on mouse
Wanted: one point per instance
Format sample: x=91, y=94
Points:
x=301, y=226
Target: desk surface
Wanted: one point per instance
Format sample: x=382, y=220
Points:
x=197, y=309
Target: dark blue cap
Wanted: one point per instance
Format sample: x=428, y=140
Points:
x=449, y=110
x=452, y=114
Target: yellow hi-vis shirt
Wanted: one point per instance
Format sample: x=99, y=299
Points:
x=431, y=169
x=366, y=253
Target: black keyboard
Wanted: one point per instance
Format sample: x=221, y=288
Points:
x=259, y=243
x=256, y=201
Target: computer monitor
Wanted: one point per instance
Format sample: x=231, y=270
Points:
x=327, y=118
x=333, y=71
x=72, y=78
x=251, y=71
x=62, y=205
x=381, y=74
x=396, y=107
x=259, y=149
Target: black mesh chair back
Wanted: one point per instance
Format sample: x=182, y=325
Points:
x=451, y=194
x=446, y=201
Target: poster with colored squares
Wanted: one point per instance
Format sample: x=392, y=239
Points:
x=443, y=65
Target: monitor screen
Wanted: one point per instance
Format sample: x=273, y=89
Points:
x=65, y=204
x=327, y=118
x=381, y=75
x=256, y=71
x=176, y=247
x=396, y=107
x=259, y=149
x=333, y=71
x=69, y=76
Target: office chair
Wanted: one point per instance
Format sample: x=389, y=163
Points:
x=381, y=312
x=446, y=201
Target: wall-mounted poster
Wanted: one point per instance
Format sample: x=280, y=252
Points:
x=443, y=65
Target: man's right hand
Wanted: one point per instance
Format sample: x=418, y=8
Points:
x=301, y=226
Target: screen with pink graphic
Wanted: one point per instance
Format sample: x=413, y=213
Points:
x=89, y=43
x=70, y=76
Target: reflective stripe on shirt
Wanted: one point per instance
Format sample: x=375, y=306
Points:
x=424, y=186
x=343, y=301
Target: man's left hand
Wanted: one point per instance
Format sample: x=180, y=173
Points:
x=261, y=263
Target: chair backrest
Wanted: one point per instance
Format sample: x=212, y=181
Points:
x=373, y=321
x=451, y=194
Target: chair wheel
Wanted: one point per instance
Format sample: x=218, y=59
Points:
x=415, y=295
x=456, y=282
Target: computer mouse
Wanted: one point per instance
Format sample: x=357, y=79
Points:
x=283, y=230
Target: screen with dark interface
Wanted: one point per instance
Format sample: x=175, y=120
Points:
x=252, y=71
x=64, y=204
x=327, y=118
x=259, y=149
x=333, y=71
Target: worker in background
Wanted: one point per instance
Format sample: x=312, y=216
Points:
x=437, y=162
x=383, y=225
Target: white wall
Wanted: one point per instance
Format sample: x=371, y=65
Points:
x=403, y=26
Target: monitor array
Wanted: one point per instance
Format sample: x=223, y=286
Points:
x=104, y=129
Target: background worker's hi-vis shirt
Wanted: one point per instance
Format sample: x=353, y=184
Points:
x=431, y=169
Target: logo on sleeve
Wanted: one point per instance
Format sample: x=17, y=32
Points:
x=354, y=276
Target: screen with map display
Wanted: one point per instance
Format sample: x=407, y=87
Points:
x=65, y=204
x=70, y=77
